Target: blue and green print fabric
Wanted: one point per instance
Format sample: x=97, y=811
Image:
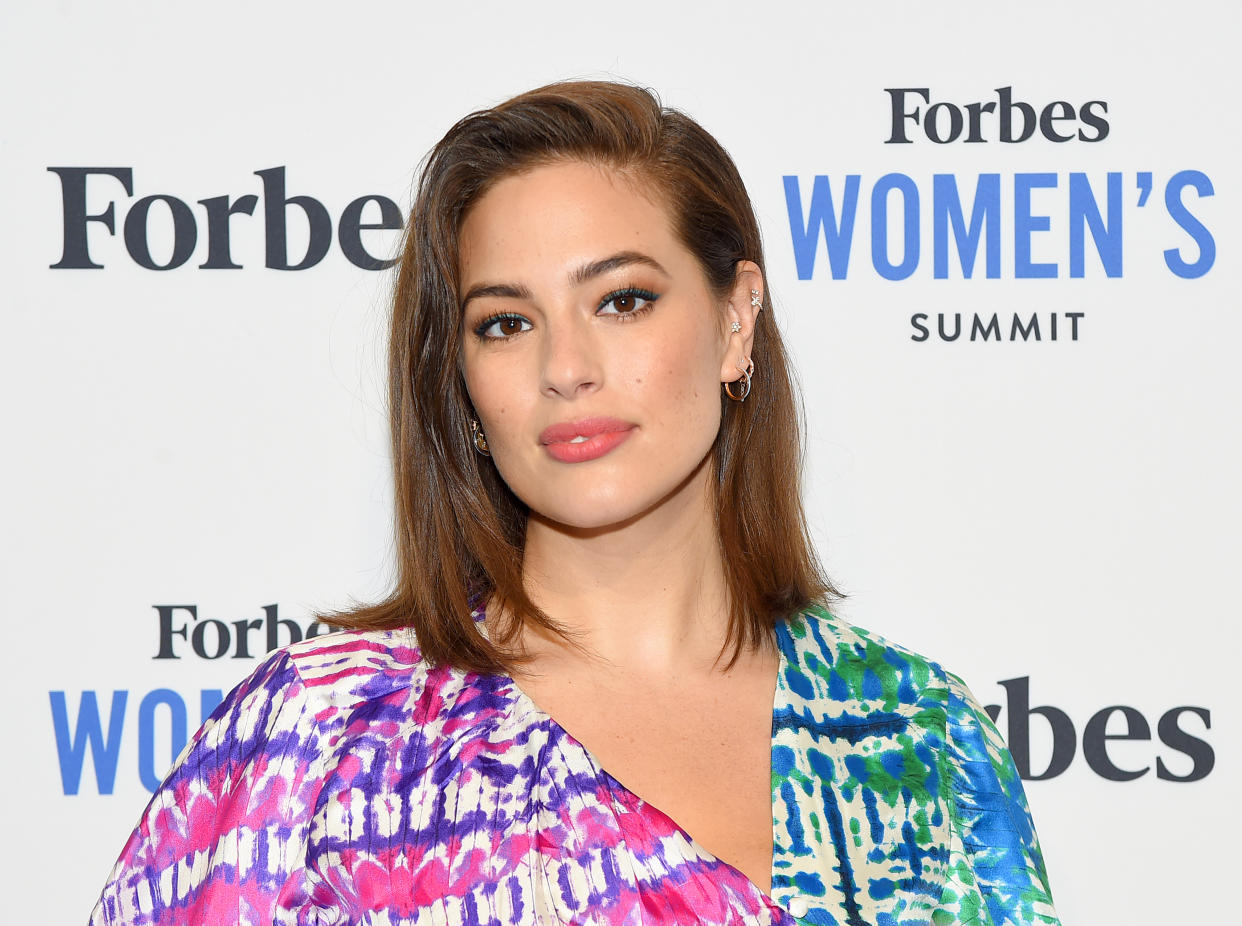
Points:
x=895, y=800
x=349, y=781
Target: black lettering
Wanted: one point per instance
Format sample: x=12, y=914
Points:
x=219, y=253
x=1049, y=117
x=898, y=99
x=242, y=628
x=273, y=628
x=1006, y=108
x=74, y=254
x=350, y=228
x=1073, y=317
x=974, y=120
x=1024, y=330
x=185, y=232
x=199, y=638
x=917, y=323
x=1091, y=118
x=1064, y=738
x=991, y=328
x=1202, y=756
x=1095, y=739
x=1017, y=121
x=931, y=124
x=167, y=631
x=275, y=215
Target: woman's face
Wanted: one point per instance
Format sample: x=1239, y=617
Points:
x=592, y=349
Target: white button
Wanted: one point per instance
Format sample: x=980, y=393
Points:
x=798, y=907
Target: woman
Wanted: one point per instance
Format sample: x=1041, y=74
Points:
x=607, y=604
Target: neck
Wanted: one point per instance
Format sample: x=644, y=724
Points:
x=644, y=596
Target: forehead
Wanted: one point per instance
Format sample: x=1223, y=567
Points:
x=558, y=215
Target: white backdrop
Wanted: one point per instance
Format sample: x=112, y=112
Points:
x=1062, y=512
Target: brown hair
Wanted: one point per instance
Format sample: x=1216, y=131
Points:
x=459, y=529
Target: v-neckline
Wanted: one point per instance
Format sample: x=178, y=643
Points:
x=548, y=720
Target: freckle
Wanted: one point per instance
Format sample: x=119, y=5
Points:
x=639, y=380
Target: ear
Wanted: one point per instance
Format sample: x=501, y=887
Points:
x=743, y=310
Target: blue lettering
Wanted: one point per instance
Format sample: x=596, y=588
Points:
x=105, y=748
x=146, y=733
x=947, y=207
x=838, y=236
x=1085, y=211
x=208, y=701
x=1191, y=225
x=1024, y=224
x=879, y=226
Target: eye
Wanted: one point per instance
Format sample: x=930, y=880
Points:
x=627, y=302
x=500, y=327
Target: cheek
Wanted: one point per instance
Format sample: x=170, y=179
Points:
x=505, y=397
x=491, y=393
x=679, y=385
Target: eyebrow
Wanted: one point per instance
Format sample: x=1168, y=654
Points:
x=581, y=275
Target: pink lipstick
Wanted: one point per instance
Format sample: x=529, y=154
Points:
x=586, y=439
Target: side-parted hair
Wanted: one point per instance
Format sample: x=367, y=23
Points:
x=459, y=529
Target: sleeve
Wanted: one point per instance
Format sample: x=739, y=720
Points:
x=996, y=868
x=223, y=839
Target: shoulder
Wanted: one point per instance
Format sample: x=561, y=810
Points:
x=851, y=664
x=374, y=689
x=875, y=708
x=856, y=664
x=349, y=665
x=301, y=690
x=861, y=670
x=315, y=685
x=227, y=830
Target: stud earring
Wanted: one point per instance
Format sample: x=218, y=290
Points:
x=754, y=298
x=735, y=327
x=480, y=439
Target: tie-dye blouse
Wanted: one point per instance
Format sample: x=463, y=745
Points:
x=347, y=781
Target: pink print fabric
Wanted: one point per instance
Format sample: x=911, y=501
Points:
x=346, y=782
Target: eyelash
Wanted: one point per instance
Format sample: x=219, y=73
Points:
x=480, y=329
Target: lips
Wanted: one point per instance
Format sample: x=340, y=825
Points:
x=586, y=439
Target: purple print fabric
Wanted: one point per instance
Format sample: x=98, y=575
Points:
x=345, y=781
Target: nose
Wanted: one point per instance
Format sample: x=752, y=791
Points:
x=571, y=360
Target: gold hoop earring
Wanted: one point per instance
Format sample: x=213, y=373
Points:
x=480, y=439
x=744, y=380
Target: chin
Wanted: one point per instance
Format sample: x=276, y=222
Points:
x=594, y=502
x=598, y=512
x=584, y=516
x=589, y=505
